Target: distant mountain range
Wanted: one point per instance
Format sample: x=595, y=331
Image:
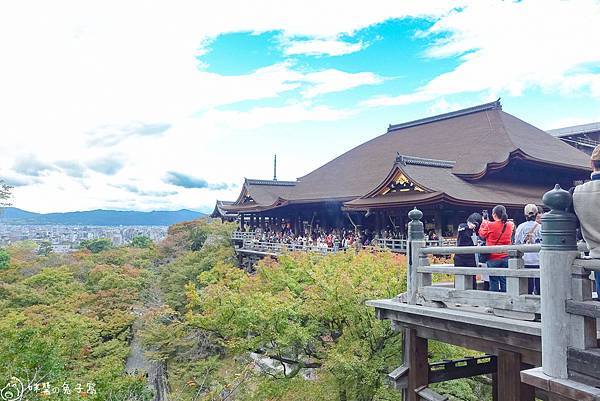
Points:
x=13, y=215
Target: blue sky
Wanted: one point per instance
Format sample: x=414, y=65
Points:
x=168, y=106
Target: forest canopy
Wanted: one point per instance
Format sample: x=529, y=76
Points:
x=179, y=320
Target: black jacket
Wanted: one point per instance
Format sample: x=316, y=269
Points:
x=464, y=239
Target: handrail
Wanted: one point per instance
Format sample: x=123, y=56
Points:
x=473, y=271
x=461, y=250
x=391, y=244
x=283, y=247
x=587, y=264
x=480, y=249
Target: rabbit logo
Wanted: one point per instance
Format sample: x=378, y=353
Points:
x=13, y=391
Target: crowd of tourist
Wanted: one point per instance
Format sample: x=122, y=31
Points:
x=319, y=237
x=479, y=229
x=498, y=229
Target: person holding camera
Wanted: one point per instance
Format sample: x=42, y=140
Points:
x=467, y=236
x=499, y=231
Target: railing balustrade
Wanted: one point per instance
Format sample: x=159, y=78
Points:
x=276, y=248
x=242, y=235
x=565, y=307
x=515, y=302
x=250, y=242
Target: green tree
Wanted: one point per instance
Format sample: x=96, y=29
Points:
x=306, y=311
x=70, y=321
x=141, y=241
x=96, y=245
x=45, y=248
x=4, y=258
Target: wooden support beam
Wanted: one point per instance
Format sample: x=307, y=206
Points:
x=495, y=386
x=583, y=308
x=560, y=389
x=418, y=372
x=510, y=387
x=585, y=362
x=427, y=394
x=399, y=377
x=451, y=296
x=461, y=368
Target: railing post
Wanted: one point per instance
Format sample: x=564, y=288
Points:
x=416, y=241
x=559, y=250
x=583, y=328
x=516, y=286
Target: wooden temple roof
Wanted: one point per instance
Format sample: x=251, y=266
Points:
x=219, y=212
x=450, y=157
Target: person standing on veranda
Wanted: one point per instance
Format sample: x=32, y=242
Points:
x=466, y=234
x=586, y=203
x=530, y=232
x=497, y=232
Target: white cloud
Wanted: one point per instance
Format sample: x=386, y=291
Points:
x=316, y=47
x=263, y=116
x=128, y=72
x=508, y=47
x=331, y=80
x=441, y=106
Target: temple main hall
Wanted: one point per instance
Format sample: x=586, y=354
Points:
x=449, y=166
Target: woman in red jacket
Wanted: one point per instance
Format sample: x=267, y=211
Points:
x=497, y=232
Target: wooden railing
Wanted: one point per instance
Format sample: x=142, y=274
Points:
x=565, y=307
x=242, y=235
x=515, y=302
x=276, y=248
x=249, y=242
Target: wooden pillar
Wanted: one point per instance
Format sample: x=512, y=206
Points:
x=242, y=216
x=559, y=250
x=437, y=214
x=262, y=222
x=418, y=364
x=416, y=241
x=510, y=387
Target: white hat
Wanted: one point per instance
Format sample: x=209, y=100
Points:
x=596, y=153
x=530, y=210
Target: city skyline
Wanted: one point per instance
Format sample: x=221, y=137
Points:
x=158, y=106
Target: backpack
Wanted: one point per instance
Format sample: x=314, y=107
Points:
x=530, y=236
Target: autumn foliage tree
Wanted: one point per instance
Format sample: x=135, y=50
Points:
x=306, y=312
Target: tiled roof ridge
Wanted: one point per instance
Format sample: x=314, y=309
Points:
x=495, y=105
x=575, y=129
x=252, y=181
x=422, y=161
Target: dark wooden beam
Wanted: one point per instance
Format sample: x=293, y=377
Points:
x=399, y=377
x=461, y=368
x=586, y=362
x=484, y=339
x=583, y=308
x=510, y=387
x=417, y=362
x=559, y=389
